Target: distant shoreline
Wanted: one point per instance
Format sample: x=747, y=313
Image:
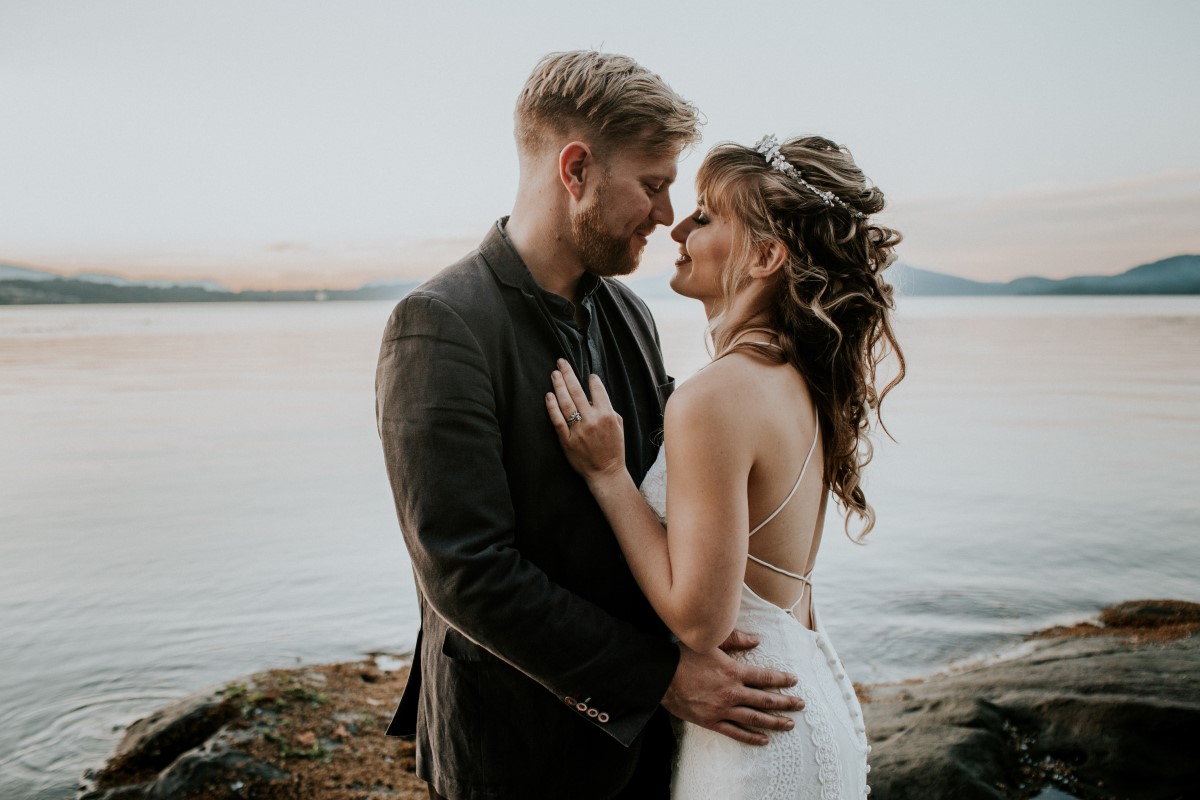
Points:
x=1179, y=275
x=64, y=291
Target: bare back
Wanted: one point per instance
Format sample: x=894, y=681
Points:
x=774, y=406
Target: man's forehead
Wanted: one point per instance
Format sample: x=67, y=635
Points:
x=664, y=165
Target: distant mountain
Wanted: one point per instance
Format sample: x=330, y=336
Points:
x=167, y=283
x=8, y=272
x=1176, y=275
x=24, y=286
x=391, y=283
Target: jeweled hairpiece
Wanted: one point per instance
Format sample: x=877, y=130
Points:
x=768, y=146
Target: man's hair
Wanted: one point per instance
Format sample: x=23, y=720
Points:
x=610, y=98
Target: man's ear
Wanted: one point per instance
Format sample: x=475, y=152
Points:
x=771, y=257
x=575, y=162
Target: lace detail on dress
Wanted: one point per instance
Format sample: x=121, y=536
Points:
x=785, y=763
x=654, y=486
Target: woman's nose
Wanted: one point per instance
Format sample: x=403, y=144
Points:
x=680, y=232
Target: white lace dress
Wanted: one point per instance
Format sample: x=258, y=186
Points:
x=824, y=757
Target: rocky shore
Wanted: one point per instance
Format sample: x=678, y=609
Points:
x=1099, y=710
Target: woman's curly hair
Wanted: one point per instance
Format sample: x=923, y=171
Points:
x=832, y=308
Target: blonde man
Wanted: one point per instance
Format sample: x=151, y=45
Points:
x=540, y=669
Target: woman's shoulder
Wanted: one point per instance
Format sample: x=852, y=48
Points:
x=722, y=388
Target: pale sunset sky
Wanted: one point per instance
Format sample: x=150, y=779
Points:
x=305, y=144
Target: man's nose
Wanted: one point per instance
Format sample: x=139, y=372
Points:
x=663, y=213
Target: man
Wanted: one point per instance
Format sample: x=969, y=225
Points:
x=540, y=669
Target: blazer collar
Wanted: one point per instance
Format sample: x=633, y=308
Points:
x=503, y=259
x=511, y=270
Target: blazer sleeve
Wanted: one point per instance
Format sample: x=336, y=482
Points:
x=442, y=445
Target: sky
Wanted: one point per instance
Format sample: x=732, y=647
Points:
x=320, y=144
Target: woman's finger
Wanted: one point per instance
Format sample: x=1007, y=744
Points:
x=582, y=404
x=556, y=418
x=599, y=393
x=563, y=395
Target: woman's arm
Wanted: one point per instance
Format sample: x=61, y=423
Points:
x=692, y=572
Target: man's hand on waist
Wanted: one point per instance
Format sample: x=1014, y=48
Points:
x=716, y=692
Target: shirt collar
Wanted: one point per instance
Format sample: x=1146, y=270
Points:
x=509, y=266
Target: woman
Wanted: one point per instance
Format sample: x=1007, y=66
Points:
x=785, y=259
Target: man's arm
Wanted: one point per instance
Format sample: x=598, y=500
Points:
x=443, y=449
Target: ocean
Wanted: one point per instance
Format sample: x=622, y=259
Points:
x=190, y=493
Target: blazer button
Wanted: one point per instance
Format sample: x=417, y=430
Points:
x=593, y=712
x=569, y=701
x=602, y=717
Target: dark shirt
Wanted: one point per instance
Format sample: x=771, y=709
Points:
x=583, y=339
x=590, y=345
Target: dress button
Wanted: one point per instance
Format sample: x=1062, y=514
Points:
x=868, y=748
x=868, y=767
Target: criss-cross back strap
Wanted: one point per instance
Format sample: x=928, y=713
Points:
x=812, y=448
x=806, y=580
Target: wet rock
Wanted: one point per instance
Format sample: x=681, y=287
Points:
x=313, y=733
x=137, y=791
x=1156, y=614
x=1096, y=716
x=217, y=772
x=153, y=742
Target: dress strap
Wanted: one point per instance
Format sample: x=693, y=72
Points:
x=803, y=469
x=805, y=580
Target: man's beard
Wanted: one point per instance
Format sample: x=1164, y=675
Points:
x=600, y=252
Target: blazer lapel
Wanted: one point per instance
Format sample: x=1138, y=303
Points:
x=648, y=355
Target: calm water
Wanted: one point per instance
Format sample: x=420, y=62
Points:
x=192, y=493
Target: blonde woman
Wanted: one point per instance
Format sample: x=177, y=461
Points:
x=784, y=256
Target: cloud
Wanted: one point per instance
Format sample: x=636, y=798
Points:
x=1053, y=231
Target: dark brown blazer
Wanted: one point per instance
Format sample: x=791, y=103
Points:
x=539, y=665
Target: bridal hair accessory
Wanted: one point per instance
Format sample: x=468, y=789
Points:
x=768, y=146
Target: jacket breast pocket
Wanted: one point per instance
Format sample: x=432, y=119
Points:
x=460, y=648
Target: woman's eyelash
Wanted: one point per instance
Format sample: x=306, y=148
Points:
x=699, y=218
